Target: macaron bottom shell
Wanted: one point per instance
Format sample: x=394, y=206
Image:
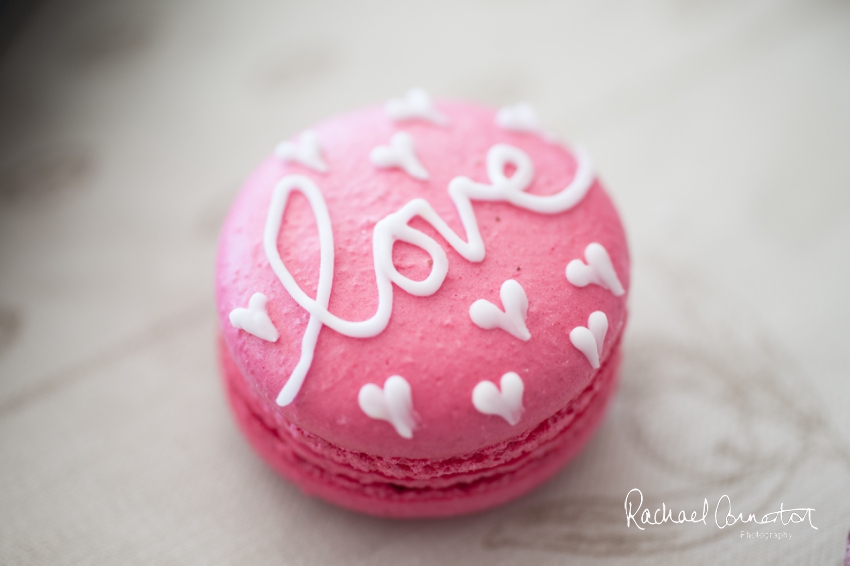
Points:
x=321, y=470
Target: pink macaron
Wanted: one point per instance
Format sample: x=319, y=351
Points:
x=421, y=306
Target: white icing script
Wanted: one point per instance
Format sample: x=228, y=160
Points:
x=255, y=319
x=506, y=403
x=400, y=153
x=512, y=320
x=394, y=227
x=521, y=117
x=589, y=340
x=599, y=270
x=416, y=105
x=393, y=403
x=307, y=152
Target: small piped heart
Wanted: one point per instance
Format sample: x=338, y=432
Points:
x=598, y=270
x=393, y=404
x=589, y=340
x=512, y=320
x=400, y=153
x=416, y=105
x=507, y=403
x=255, y=319
x=307, y=152
x=521, y=117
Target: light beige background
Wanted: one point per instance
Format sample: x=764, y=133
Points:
x=721, y=128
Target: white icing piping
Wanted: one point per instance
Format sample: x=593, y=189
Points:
x=393, y=403
x=590, y=340
x=521, y=117
x=416, y=105
x=599, y=270
x=307, y=152
x=394, y=227
x=507, y=403
x=255, y=319
x=400, y=153
x=512, y=320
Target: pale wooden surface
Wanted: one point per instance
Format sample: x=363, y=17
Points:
x=721, y=129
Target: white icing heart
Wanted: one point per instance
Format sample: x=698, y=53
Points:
x=255, y=319
x=521, y=117
x=589, y=340
x=307, y=152
x=506, y=403
x=416, y=105
x=512, y=320
x=599, y=270
x=400, y=153
x=393, y=404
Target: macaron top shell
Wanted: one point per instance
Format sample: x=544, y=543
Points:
x=431, y=341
